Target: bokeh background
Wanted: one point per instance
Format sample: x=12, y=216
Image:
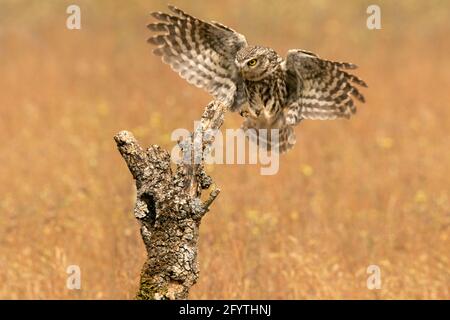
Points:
x=372, y=190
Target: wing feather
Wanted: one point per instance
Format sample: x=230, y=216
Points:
x=320, y=89
x=202, y=53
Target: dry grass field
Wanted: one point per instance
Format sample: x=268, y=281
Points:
x=372, y=190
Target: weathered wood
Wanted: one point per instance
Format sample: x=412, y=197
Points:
x=169, y=208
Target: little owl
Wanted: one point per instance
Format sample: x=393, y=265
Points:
x=280, y=92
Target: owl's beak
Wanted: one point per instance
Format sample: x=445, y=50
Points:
x=241, y=70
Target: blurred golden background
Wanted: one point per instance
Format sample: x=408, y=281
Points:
x=372, y=190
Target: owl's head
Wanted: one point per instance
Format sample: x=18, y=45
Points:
x=255, y=62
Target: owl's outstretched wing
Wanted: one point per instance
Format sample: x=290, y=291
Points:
x=202, y=53
x=319, y=89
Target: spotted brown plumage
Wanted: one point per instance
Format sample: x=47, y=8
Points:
x=202, y=53
x=279, y=92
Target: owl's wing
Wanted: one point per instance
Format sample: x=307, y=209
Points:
x=202, y=53
x=320, y=89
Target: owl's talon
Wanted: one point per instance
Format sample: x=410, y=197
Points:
x=244, y=113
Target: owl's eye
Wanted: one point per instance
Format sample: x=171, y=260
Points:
x=252, y=63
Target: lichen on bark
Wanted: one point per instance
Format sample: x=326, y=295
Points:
x=169, y=208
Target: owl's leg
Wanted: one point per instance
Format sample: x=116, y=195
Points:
x=246, y=113
x=293, y=114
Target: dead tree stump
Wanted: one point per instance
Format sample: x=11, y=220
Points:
x=169, y=206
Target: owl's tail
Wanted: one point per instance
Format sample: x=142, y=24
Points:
x=273, y=135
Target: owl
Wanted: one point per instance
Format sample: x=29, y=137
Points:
x=272, y=93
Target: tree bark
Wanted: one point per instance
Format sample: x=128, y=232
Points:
x=169, y=206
